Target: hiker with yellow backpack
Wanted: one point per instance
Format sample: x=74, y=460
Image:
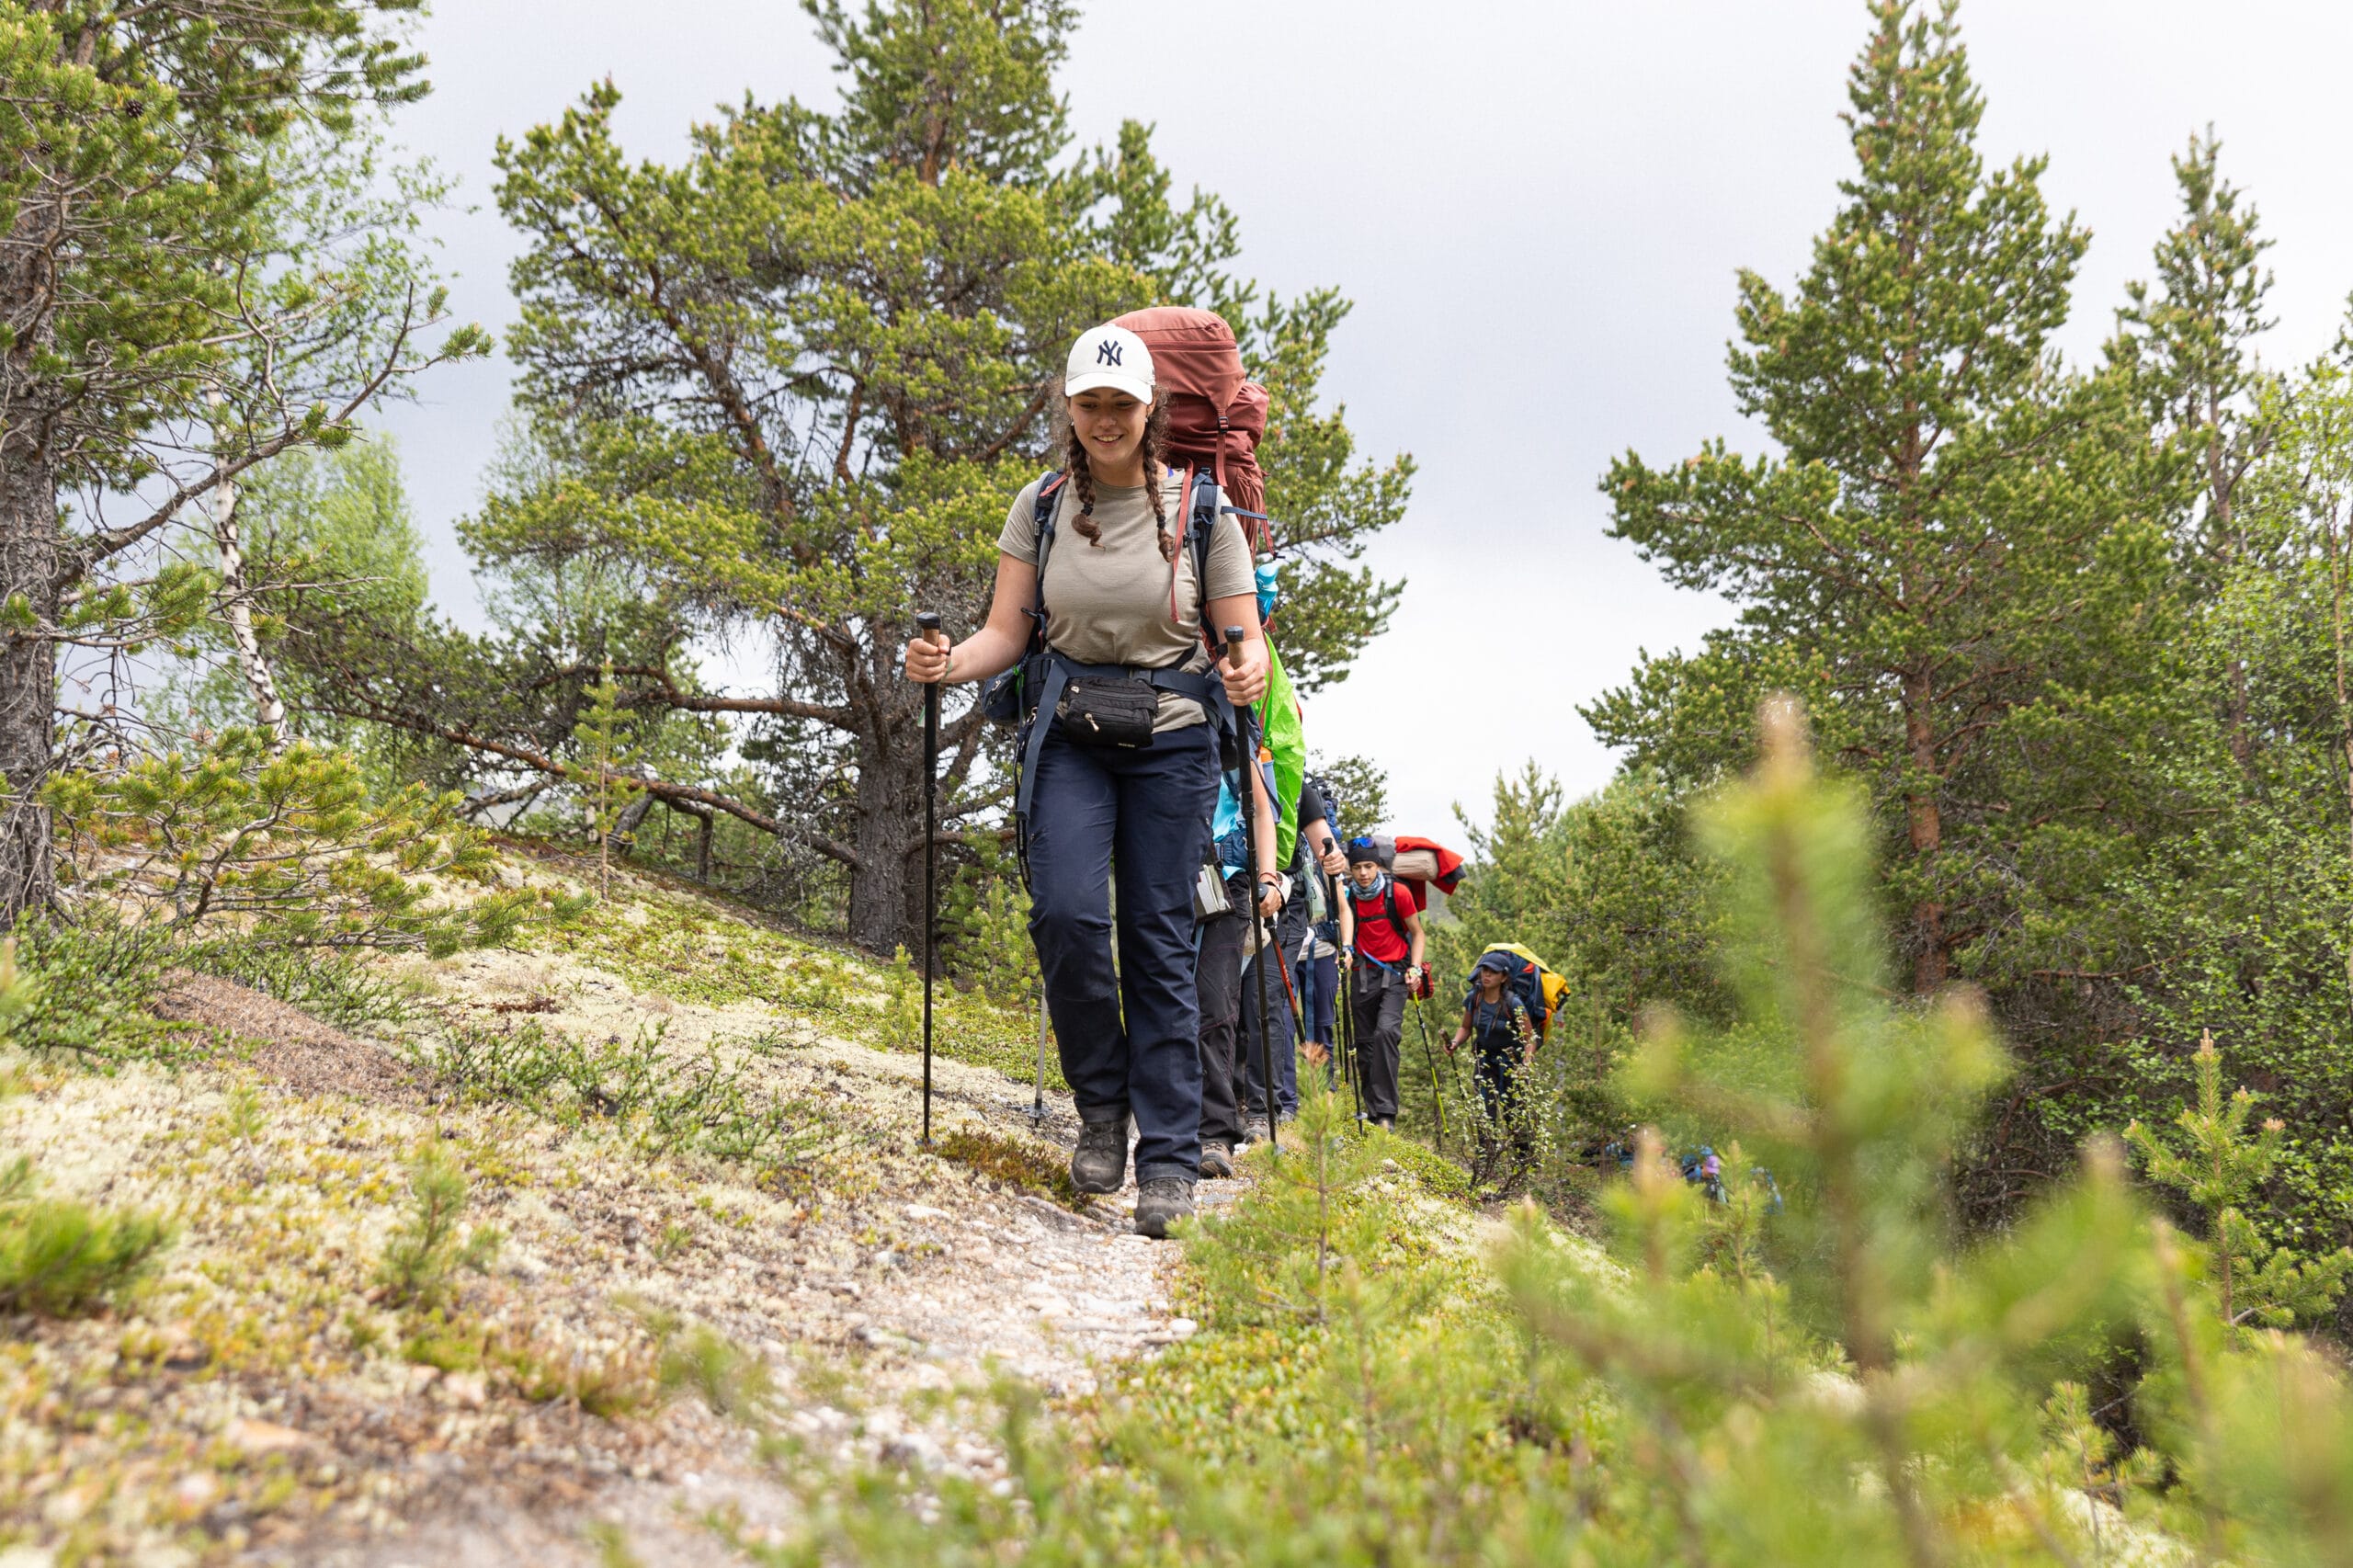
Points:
x=1508, y=1012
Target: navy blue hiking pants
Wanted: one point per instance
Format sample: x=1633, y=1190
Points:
x=1130, y=1034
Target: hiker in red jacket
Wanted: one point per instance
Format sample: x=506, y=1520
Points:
x=1380, y=947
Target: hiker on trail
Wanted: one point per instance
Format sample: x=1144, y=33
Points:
x=1315, y=955
x=1497, y=1023
x=1315, y=852
x=1120, y=758
x=1222, y=935
x=1380, y=947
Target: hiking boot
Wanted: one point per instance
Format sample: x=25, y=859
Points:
x=1160, y=1203
x=1100, y=1162
x=1254, y=1131
x=1217, y=1160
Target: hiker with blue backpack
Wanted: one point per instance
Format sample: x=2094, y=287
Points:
x=1380, y=950
x=1113, y=587
x=1498, y=1024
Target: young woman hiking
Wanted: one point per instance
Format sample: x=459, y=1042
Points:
x=1380, y=947
x=1115, y=796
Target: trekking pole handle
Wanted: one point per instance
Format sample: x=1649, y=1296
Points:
x=927, y=623
x=1233, y=646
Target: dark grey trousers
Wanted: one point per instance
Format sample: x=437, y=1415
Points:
x=1378, y=1005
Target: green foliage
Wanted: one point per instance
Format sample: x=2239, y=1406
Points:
x=422, y=1255
x=334, y=986
x=59, y=1258
x=661, y=1103
x=1833, y=1380
x=1362, y=786
x=1017, y=1162
x=222, y=279
x=1607, y=890
x=984, y=929
x=733, y=1381
x=2222, y=1170
x=1310, y=1243
x=1953, y=560
x=95, y=983
x=285, y=840
x=604, y=757
x=690, y=478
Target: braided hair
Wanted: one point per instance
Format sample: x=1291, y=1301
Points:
x=1082, y=480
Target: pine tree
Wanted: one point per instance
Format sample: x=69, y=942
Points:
x=152, y=162
x=788, y=385
x=2188, y=344
x=1949, y=559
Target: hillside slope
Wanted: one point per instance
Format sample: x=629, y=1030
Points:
x=705, y=1176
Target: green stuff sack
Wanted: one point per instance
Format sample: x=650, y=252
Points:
x=1282, y=740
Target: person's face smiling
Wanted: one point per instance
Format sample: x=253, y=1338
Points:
x=1110, y=423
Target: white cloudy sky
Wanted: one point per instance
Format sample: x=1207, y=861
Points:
x=1538, y=207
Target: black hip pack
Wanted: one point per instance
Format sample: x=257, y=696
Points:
x=1109, y=713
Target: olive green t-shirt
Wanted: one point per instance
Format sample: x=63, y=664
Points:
x=1108, y=602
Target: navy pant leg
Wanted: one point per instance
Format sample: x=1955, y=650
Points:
x=1073, y=814
x=1219, y=986
x=1280, y=1042
x=1166, y=794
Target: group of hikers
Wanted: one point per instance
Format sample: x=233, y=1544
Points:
x=1161, y=794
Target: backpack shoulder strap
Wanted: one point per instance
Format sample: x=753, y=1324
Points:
x=1049, y=502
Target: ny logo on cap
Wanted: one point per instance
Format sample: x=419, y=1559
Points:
x=1106, y=352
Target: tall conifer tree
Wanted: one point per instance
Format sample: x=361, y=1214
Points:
x=1948, y=550
x=2188, y=342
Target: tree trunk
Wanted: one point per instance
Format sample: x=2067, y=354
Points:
x=886, y=886
x=30, y=540
x=1925, y=820
x=261, y=682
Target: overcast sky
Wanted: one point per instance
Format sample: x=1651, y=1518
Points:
x=1537, y=207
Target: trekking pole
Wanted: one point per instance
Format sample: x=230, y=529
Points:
x=1258, y=929
x=1348, y=1022
x=1437, y=1094
x=1291, y=994
x=928, y=621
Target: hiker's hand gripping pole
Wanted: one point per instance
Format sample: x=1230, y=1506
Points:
x=1263, y=942
x=929, y=623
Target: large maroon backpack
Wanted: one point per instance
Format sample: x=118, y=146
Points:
x=1216, y=413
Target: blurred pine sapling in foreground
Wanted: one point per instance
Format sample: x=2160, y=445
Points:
x=1833, y=1379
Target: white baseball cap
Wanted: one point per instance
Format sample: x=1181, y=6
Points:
x=1109, y=356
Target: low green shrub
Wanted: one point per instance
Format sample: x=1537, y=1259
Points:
x=422, y=1255
x=61, y=1259
x=96, y=981
x=1019, y=1162
x=706, y=1104
x=333, y=986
